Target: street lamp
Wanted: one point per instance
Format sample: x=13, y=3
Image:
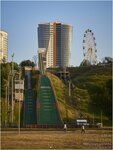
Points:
x=19, y=98
x=101, y=119
x=19, y=107
x=93, y=119
x=5, y=102
x=6, y=105
x=12, y=93
x=8, y=99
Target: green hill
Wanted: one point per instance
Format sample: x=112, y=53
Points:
x=91, y=94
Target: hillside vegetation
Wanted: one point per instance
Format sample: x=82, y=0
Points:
x=91, y=94
x=68, y=113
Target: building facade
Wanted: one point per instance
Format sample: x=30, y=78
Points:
x=19, y=90
x=56, y=38
x=3, y=46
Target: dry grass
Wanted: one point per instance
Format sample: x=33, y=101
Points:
x=96, y=139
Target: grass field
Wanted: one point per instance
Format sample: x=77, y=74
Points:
x=92, y=139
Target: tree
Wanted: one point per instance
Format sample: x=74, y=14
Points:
x=101, y=96
x=85, y=63
x=27, y=63
x=4, y=60
x=5, y=72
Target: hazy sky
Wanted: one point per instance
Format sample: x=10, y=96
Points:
x=21, y=18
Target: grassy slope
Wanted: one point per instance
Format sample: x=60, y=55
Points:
x=67, y=111
x=86, y=94
x=87, y=82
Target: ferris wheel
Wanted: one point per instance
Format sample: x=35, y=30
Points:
x=89, y=47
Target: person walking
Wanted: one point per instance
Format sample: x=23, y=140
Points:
x=65, y=127
x=83, y=129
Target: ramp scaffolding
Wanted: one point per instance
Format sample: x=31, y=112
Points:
x=30, y=101
x=47, y=108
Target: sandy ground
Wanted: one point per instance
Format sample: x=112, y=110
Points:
x=92, y=139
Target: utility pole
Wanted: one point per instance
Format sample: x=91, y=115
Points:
x=101, y=116
x=69, y=88
x=93, y=119
x=12, y=92
x=19, y=103
x=101, y=120
x=6, y=105
x=8, y=99
x=6, y=94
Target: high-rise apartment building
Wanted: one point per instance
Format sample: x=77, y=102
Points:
x=56, y=38
x=3, y=46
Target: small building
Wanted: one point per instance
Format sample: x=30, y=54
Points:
x=64, y=74
x=19, y=90
x=81, y=122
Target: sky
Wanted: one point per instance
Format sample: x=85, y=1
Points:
x=21, y=18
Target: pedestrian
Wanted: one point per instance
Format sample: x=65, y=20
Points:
x=65, y=127
x=83, y=129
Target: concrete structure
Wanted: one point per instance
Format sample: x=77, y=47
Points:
x=28, y=70
x=56, y=38
x=19, y=90
x=42, y=59
x=3, y=46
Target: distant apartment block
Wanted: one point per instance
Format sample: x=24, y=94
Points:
x=3, y=46
x=56, y=38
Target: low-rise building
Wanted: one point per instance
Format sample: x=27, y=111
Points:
x=19, y=90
